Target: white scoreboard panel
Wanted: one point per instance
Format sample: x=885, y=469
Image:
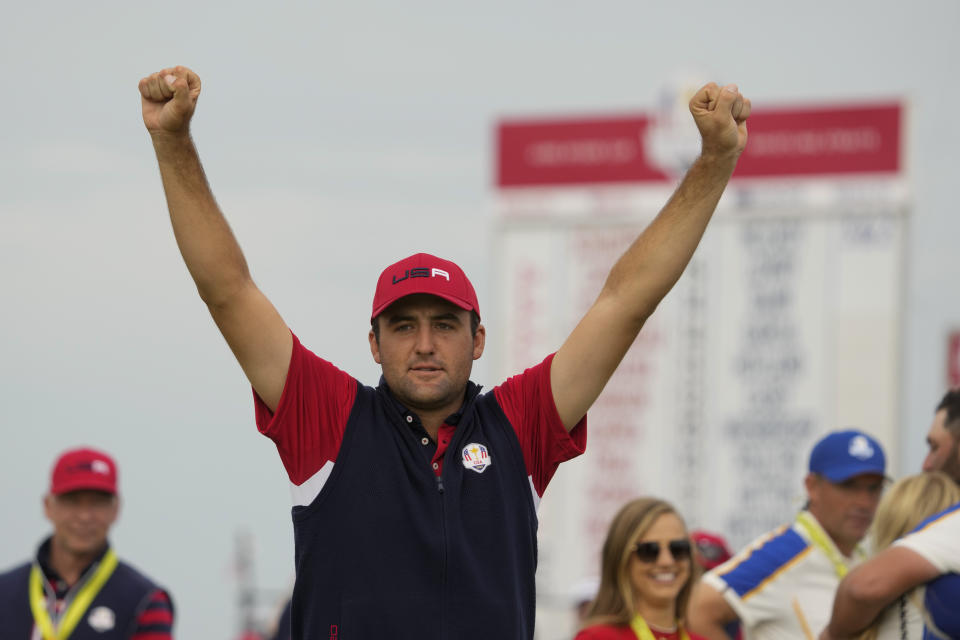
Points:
x=784, y=326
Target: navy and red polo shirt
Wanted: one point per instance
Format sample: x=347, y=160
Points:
x=129, y=606
x=397, y=534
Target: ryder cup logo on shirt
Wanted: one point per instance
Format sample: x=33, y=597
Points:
x=102, y=619
x=476, y=457
x=860, y=448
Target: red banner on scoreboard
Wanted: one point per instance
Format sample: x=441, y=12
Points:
x=839, y=140
x=574, y=152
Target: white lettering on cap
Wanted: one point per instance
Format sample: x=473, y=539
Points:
x=99, y=466
x=440, y=272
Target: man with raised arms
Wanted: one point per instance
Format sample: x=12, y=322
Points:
x=415, y=501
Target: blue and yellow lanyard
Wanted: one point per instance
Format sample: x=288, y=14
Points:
x=79, y=606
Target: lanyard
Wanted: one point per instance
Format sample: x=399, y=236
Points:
x=77, y=608
x=819, y=539
x=642, y=631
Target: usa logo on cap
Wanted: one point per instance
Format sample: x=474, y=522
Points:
x=476, y=457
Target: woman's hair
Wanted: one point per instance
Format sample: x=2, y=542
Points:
x=905, y=505
x=908, y=503
x=615, y=599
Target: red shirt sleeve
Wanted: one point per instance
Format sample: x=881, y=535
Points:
x=156, y=620
x=527, y=401
x=311, y=416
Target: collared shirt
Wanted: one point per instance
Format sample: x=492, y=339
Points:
x=155, y=622
x=781, y=582
x=396, y=534
x=937, y=539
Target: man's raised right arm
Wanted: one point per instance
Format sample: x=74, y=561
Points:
x=257, y=335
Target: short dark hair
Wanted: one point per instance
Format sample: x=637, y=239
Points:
x=951, y=404
x=474, y=325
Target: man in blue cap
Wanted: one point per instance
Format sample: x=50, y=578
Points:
x=782, y=585
x=928, y=558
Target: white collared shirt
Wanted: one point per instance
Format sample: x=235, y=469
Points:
x=779, y=579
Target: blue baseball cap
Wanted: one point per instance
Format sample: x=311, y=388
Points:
x=841, y=455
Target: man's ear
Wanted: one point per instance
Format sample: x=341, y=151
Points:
x=479, y=340
x=116, y=509
x=48, y=505
x=374, y=347
x=810, y=483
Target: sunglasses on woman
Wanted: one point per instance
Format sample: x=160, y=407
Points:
x=650, y=551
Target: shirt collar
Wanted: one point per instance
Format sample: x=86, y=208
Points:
x=473, y=390
x=43, y=560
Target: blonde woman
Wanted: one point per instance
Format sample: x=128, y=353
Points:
x=646, y=575
x=908, y=503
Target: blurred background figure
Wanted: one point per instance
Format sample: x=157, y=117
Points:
x=646, y=576
x=943, y=439
x=582, y=595
x=281, y=630
x=782, y=585
x=710, y=549
x=908, y=503
x=76, y=586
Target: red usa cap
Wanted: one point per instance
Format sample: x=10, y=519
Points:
x=83, y=469
x=424, y=273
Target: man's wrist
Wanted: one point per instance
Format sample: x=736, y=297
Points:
x=720, y=159
x=714, y=165
x=171, y=138
x=172, y=145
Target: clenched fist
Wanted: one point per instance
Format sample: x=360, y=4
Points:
x=168, y=99
x=721, y=115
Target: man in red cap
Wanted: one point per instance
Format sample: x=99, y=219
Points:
x=76, y=587
x=415, y=501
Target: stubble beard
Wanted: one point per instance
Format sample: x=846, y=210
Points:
x=419, y=397
x=952, y=465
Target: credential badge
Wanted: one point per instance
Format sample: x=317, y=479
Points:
x=102, y=619
x=476, y=457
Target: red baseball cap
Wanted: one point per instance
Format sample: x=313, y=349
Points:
x=83, y=469
x=712, y=549
x=424, y=273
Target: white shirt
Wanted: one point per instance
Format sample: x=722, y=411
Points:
x=782, y=578
x=937, y=539
x=897, y=625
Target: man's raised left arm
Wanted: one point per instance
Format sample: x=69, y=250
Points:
x=656, y=259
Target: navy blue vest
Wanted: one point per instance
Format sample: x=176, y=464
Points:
x=125, y=593
x=387, y=549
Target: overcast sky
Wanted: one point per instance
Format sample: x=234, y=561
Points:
x=338, y=138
